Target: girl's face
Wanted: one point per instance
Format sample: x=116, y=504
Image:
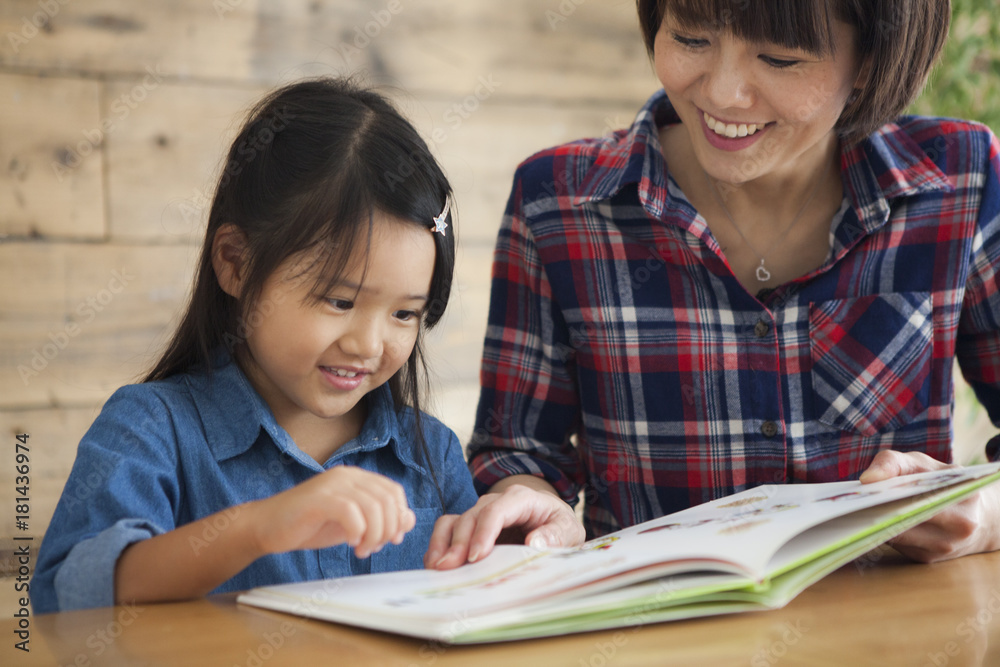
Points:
x=314, y=356
x=754, y=109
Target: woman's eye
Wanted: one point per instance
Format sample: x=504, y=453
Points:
x=690, y=42
x=779, y=63
x=341, y=304
x=405, y=315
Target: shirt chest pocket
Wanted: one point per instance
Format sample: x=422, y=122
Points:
x=871, y=360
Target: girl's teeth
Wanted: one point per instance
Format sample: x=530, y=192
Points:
x=342, y=373
x=731, y=130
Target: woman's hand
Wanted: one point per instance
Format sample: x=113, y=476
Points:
x=344, y=504
x=514, y=513
x=968, y=527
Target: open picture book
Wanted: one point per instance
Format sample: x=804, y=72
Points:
x=753, y=550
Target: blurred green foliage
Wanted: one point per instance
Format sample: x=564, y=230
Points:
x=966, y=82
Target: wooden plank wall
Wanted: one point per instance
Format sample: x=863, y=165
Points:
x=114, y=117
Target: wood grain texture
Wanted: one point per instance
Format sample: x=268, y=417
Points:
x=166, y=157
x=569, y=50
x=51, y=152
x=93, y=322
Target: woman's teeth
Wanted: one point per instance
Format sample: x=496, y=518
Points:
x=731, y=130
x=342, y=373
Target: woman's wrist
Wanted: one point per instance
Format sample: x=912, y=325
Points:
x=530, y=481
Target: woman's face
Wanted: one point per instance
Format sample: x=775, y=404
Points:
x=753, y=110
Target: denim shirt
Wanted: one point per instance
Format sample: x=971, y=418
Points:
x=166, y=453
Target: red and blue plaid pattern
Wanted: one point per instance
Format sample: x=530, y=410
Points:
x=624, y=359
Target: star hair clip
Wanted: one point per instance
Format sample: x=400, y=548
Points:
x=440, y=223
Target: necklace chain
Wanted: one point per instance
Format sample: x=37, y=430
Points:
x=762, y=274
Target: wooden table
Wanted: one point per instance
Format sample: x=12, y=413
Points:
x=879, y=610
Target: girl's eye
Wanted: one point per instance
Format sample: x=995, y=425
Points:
x=779, y=63
x=689, y=42
x=340, y=304
x=405, y=315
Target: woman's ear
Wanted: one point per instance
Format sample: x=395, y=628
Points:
x=865, y=71
x=228, y=258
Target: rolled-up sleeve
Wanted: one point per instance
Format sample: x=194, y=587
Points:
x=86, y=578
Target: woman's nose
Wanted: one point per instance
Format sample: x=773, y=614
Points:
x=727, y=84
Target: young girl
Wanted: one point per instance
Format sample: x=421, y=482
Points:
x=279, y=438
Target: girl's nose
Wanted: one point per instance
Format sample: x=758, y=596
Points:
x=364, y=339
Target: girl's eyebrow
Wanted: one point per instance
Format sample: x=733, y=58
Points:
x=363, y=288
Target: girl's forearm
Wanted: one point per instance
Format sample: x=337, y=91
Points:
x=189, y=561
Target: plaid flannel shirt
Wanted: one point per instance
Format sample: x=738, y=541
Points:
x=623, y=357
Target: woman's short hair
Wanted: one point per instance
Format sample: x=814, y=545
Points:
x=897, y=42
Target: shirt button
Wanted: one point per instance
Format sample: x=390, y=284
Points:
x=761, y=329
x=769, y=429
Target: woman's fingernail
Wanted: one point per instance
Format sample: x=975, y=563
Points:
x=538, y=542
x=474, y=554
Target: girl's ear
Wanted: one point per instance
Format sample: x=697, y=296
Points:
x=228, y=255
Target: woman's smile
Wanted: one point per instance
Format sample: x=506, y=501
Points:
x=731, y=136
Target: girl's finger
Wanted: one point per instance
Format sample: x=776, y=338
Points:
x=371, y=510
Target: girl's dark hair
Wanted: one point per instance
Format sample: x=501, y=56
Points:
x=898, y=42
x=311, y=165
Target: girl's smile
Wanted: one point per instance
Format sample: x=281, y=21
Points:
x=344, y=379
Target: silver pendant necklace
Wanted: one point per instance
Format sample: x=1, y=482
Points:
x=762, y=274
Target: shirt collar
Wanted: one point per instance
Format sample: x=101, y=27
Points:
x=234, y=414
x=632, y=156
x=381, y=429
x=885, y=165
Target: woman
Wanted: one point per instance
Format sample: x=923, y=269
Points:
x=765, y=280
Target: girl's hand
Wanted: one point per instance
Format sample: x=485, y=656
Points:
x=524, y=516
x=343, y=504
x=968, y=527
